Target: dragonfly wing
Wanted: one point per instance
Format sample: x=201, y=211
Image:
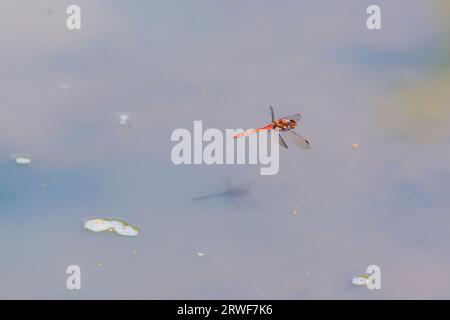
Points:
x=298, y=140
x=295, y=117
x=272, y=113
x=281, y=141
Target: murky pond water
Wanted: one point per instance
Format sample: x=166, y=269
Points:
x=86, y=118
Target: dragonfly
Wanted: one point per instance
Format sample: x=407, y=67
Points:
x=285, y=126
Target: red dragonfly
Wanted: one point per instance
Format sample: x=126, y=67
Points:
x=285, y=126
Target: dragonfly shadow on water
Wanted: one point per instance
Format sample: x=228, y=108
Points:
x=237, y=195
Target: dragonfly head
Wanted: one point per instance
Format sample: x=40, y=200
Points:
x=292, y=124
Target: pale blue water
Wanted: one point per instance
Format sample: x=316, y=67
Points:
x=168, y=64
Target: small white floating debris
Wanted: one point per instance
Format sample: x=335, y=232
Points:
x=111, y=225
x=124, y=119
x=23, y=159
x=296, y=210
x=201, y=254
x=360, y=280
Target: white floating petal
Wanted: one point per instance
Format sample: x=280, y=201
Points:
x=360, y=280
x=112, y=225
x=23, y=159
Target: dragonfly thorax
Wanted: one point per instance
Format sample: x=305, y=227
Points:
x=284, y=124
